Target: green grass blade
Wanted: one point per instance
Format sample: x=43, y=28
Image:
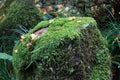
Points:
x=5, y=56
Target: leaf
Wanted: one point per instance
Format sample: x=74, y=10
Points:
x=71, y=70
x=117, y=63
x=24, y=29
x=5, y=56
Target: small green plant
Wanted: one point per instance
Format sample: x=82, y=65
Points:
x=112, y=35
x=22, y=29
x=113, y=38
x=5, y=74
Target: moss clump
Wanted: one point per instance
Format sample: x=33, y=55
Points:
x=71, y=49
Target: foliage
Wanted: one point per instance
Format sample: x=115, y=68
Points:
x=112, y=36
x=4, y=72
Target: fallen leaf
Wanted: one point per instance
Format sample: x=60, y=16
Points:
x=15, y=50
x=71, y=18
x=51, y=21
x=33, y=36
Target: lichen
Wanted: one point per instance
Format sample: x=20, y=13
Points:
x=71, y=49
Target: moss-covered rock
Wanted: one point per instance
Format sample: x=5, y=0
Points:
x=70, y=49
x=19, y=12
x=12, y=14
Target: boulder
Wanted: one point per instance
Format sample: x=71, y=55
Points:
x=19, y=12
x=62, y=49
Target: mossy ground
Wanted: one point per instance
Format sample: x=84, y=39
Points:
x=71, y=49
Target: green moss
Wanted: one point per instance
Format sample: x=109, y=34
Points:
x=71, y=49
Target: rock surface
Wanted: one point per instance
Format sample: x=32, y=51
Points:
x=62, y=49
